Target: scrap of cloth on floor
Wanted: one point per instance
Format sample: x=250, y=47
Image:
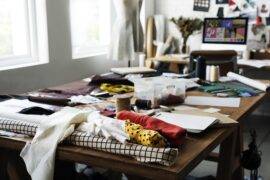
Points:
x=39, y=154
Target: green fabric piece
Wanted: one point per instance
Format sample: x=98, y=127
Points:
x=232, y=88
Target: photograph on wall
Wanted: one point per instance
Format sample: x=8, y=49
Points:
x=264, y=8
x=243, y=8
x=201, y=5
x=242, y=5
x=222, y=1
x=225, y=31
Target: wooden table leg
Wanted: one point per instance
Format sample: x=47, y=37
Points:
x=227, y=157
x=3, y=164
x=239, y=171
x=16, y=168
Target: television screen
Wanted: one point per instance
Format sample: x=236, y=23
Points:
x=225, y=30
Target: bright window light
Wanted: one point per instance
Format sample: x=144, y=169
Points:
x=13, y=29
x=90, y=27
x=19, y=32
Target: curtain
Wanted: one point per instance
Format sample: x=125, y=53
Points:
x=127, y=35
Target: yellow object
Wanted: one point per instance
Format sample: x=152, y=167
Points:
x=144, y=136
x=118, y=88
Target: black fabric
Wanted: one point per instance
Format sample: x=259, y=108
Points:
x=4, y=98
x=50, y=100
x=36, y=111
x=110, y=79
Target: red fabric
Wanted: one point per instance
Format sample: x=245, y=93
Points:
x=174, y=134
x=231, y=3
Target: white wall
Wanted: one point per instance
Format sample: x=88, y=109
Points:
x=61, y=68
x=177, y=8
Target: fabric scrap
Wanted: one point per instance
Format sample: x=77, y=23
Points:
x=39, y=154
x=144, y=136
x=174, y=134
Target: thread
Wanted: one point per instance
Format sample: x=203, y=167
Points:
x=123, y=102
x=143, y=104
x=214, y=73
x=208, y=72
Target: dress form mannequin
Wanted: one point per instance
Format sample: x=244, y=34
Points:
x=126, y=30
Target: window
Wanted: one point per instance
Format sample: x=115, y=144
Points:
x=21, y=23
x=90, y=27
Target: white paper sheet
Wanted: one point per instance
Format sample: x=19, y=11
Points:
x=187, y=108
x=254, y=63
x=250, y=82
x=132, y=70
x=192, y=123
x=174, y=75
x=212, y=101
x=16, y=105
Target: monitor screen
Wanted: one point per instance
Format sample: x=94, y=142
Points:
x=225, y=30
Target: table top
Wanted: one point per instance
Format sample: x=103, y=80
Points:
x=177, y=59
x=170, y=59
x=195, y=149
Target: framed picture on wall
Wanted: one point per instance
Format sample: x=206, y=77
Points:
x=201, y=5
x=222, y=1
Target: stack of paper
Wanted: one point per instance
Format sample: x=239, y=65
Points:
x=254, y=63
x=223, y=120
x=192, y=123
x=132, y=70
x=213, y=101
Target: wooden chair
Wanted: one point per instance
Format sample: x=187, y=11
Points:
x=226, y=59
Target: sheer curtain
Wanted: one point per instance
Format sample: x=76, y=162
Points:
x=127, y=35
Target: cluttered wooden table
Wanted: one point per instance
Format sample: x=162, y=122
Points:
x=175, y=60
x=197, y=147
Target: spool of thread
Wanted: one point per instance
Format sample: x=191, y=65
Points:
x=214, y=73
x=123, y=102
x=246, y=55
x=208, y=72
x=141, y=60
x=143, y=104
x=200, y=71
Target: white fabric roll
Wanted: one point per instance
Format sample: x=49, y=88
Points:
x=253, y=83
x=104, y=126
x=39, y=154
x=142, y=59
x=208, y=72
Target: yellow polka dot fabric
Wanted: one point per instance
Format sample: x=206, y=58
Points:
x=118, y=89
x=144, y=136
